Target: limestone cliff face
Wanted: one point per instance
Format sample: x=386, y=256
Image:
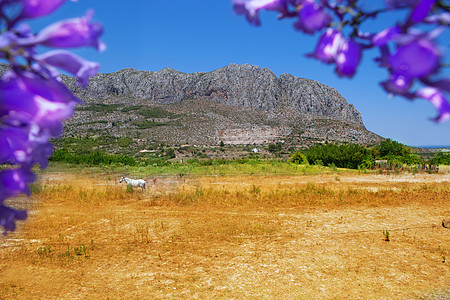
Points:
x=236, y=104
x=233, y=85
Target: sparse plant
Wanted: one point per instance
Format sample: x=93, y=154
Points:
x=81, y=250
x=44, y=251
x=386, y=235
x=255, y=189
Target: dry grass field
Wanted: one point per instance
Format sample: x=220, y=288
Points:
x=240, y=237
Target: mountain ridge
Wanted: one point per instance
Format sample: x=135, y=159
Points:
x=236, y=104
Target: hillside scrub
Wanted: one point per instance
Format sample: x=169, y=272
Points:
x=91, y=151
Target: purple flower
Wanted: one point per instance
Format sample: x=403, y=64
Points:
x=43, y=102
x=14, y=182
x=334, y=48
x=398, y=84
x=382, y=38
x=392, y=4
x=8, y=217
x=438, y=100
x=421, y=10
x=251, y=8
x=312, y=17
x=416, y=59
x=70, y=33
x=328, y=46
x=13, y=145
x=71, y=63
x=33, y=100
x=348, y=58
x=7, y=39
x=38, y=8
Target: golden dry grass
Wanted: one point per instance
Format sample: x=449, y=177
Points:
x=242, y=237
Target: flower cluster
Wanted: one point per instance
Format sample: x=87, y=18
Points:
x=409, y=49
x=33, y=100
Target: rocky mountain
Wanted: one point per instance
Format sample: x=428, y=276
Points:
x=236, y=104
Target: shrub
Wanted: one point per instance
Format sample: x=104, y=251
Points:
x=299, y=158
x=342, y=156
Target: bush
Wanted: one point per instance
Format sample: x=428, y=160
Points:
x=440, y=158
x=155, y=112
x=349, y=156
x=124, y=141
x=391, y=148
x=93, y=158
x=299, y=158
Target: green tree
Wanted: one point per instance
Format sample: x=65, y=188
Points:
x=275, y=148
x=299, y=158
x=441, y=158
x=389, y=147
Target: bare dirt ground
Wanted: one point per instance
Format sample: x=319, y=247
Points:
x=233, y=237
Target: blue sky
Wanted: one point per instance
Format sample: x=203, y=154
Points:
x=204, y=35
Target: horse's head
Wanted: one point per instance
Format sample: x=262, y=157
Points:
x=122, y=179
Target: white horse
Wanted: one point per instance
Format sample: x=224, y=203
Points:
x=133, y=182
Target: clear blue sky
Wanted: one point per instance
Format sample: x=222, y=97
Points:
x=204, y=35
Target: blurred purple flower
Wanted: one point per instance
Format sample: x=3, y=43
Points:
x=416, y=59
x=398, y=84
x=421, y=11
x=14, y=182
x=9, y=216
x=70, y=33
x=33, y=99
x=251, y=8
x=328, y=46
x=383, y=37
x=13, y=145
x=348, y=58
x=38, y=8
x=312, y=17
x=393, y=4
x=43, y=102
x=438, y=100
x=7, y=39
x=78, y=66
x=334, y=48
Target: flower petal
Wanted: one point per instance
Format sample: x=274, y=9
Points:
x=312, y=17
x=38, y=8
x=386, y=35
x=9, y=216
x=251, y=8
x=416, y=59
x=71, y=63
x=348, y=58
x=438, y=100
x=421, y=10
x=328, y=46
x=70, y=33
x=14, y=182
x=44, y=102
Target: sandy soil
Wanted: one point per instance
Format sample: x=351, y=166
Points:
x=139, y=249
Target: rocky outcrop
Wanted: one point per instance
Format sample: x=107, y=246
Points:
x=233, y=85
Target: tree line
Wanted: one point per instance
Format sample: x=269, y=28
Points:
x=354, y=156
